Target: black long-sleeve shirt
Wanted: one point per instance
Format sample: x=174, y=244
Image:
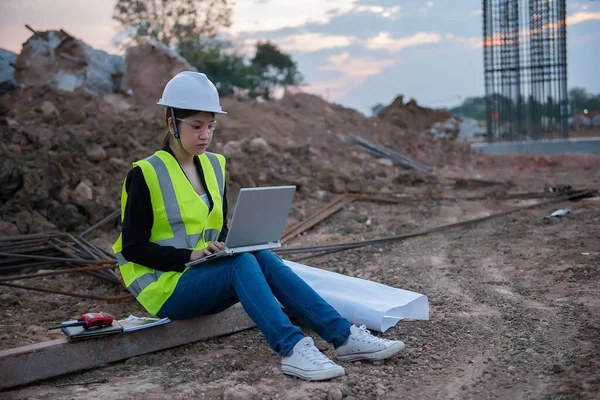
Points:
x=138, y=220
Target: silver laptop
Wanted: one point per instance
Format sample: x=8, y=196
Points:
x=258, y=221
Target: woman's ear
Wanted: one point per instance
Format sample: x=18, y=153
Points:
x=171, y=127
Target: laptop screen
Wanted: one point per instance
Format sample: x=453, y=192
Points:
x=260, y=215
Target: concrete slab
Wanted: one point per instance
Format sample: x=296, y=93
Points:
x=27, y=364
x=556, y=146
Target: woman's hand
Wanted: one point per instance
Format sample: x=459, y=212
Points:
x=211, y=248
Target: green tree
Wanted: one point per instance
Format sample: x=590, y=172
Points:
x=218, y=60
x=472, y=107
x=376, y=109
x=270, y=68
x=581, y=100
x=172, y=21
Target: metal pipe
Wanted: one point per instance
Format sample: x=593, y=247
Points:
x=29, y=250
x=68, y=249
x=104, y=220
x=81, y=295
x=47, y=258
x=59, y=272
x=35, y=236
x=42, y=264
x=97, y=249
x=84, y=247
x=345, y=246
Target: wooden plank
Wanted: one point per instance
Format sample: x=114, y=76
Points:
x=317, y=217
x=27, y=364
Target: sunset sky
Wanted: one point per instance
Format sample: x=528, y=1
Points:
x=353, y=52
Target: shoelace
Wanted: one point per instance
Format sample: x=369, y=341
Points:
x=365, y=335
x=310, y=351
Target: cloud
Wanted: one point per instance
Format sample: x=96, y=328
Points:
x=582, y=16
x=426, y=8
x=467, y=42
x=98, y=36
x=476, y=13
x=250, y=16
x=385, y=12
x=509, y=38
x=383, y=41
x=340, y=58
x=358, y=67
x=309, y=42
x=353, y=72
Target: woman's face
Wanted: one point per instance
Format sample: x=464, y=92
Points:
x=196, y=132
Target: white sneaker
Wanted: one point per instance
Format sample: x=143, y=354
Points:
x=361, y=345
x=307, y=362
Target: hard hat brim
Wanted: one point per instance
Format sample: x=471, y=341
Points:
x=185, y=106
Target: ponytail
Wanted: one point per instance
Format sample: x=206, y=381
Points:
x=165, y=140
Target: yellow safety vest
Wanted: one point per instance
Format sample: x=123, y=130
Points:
x=181, y=219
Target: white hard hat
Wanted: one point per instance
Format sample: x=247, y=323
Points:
x=191, y=91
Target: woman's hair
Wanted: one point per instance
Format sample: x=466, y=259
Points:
x=179, y=113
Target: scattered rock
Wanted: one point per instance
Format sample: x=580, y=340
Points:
x=8, y=228
x=119, y=163
x=49, y=110
x=557, y=368
x=386, y=162
x=13, y=124
x=11, y=178
x=67, y=216
x=73, y=117
x=82, y=194
x=335, y=394
x=96, y=153
x=259, y=146
x=233, y=149
x=241, y=392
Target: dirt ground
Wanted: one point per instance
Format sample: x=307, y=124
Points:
x=515, y=303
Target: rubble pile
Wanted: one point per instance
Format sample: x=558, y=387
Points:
x=148, y=67
x=467, y=129
x=7, y=72
x=412, y=116
x=65, y=153
x=58, y=59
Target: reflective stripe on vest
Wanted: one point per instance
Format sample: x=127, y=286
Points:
x=180, y=239
x=144, y=281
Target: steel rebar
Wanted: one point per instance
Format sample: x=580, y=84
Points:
x=82, y=295
x=350, y=245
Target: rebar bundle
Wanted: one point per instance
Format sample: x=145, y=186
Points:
x=54, y=250
x=525, y=62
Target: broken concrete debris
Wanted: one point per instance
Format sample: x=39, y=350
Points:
x=7, y=72
x=58, y=59
x=467, y=129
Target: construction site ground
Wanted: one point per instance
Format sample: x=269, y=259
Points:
x=514, y=308
x=514, y=301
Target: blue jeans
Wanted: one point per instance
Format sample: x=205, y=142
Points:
x=257, y=280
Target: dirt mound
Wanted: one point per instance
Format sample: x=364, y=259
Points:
x=65, y=154
x=411, y=115
x=148, y=68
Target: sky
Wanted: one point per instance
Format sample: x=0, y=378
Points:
x=353, y=52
